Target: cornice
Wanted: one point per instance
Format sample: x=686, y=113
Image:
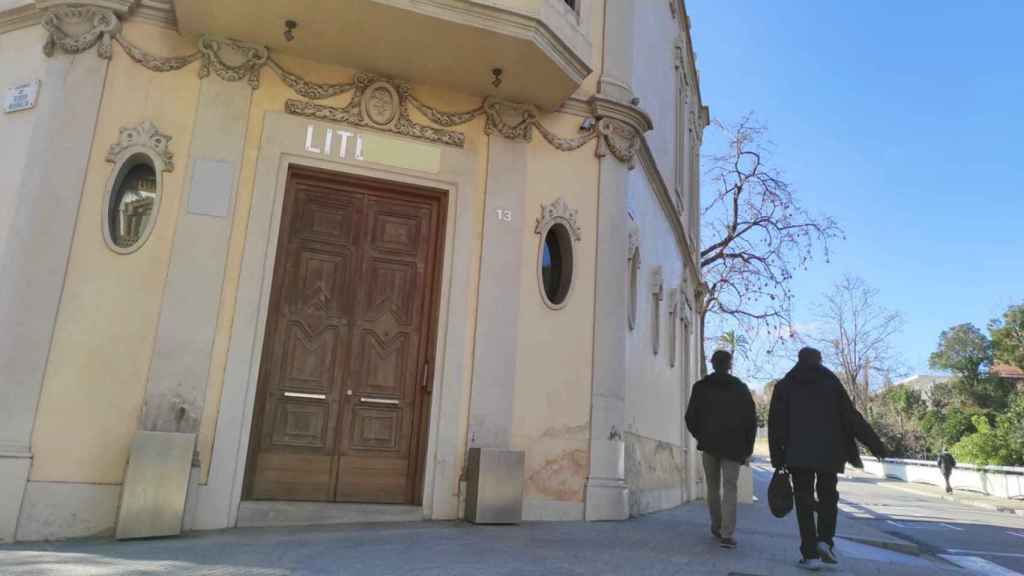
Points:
x=119, y=7
x=156, y=12
x=630, y=115
x=20, y=17
x=577, y=107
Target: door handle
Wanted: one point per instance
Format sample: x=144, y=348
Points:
x=425, y=378
x=366, y=400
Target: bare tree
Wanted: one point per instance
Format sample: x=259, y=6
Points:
x=755, y=234
x=855, y=333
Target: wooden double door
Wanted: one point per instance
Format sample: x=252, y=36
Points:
x=345, y=380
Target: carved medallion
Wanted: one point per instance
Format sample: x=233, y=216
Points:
x=380, y=104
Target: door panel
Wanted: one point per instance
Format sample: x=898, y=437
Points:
x=340, y=401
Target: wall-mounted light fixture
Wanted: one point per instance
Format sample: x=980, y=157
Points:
x=289, y=30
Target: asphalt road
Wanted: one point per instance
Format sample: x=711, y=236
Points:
x=981, y=541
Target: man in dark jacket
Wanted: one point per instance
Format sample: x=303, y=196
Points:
x=946, y=464
x=722, y=417
x=812, y=431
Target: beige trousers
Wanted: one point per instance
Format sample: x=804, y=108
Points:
x=721, y=477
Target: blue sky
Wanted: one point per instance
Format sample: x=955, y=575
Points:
x=904, y=121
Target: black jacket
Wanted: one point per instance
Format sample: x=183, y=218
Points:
x=722, y=417
x=812, y=423
x=946, y=463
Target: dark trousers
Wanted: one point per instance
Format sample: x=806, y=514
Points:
x=805, y=484
x=946, y=474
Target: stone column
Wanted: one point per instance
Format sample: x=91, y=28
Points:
x=35, y=256
x=607, y=496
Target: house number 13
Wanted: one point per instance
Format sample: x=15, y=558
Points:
x=504, y=215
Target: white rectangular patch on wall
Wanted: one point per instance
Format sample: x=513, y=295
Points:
x=21, y=97
x=212, y=184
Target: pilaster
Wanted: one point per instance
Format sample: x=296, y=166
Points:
x=34, y=262
x=182, y=353
x=497, y=324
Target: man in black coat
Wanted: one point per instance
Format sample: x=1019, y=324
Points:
x=722, y=417
x=812, y=431
x=946, y=463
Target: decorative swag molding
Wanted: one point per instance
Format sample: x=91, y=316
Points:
x=377, y=102
x=74, y=29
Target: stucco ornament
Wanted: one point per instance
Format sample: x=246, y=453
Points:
x=619, y=139
x=379, y=103
x=155, y=63
x=558, y=212
x=232, y=60
x=384, y=103
x=510, y=120
x=307, y=89
x=74, y=29
x=145, y=137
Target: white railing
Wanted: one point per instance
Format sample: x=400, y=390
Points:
x=998, y=481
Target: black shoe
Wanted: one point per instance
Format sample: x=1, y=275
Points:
x=716, y=534
x=728, y=543
x=812, y=564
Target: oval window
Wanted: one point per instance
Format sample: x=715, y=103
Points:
x=132, y=205
x=556, y=265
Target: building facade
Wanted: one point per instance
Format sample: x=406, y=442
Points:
x=335, y=245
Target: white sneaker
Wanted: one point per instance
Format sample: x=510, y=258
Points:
x=812, y=564
x=826, y=554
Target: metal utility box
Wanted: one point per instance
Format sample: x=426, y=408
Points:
x=494, y=486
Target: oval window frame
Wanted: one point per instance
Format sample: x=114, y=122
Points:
x=563, y=228
x=125, y=163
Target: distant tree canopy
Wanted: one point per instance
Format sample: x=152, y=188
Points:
x=1008, y=337
x=977, y=415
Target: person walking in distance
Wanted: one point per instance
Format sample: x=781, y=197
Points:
x=813, y=427
x=722, y=417
x=946, y=464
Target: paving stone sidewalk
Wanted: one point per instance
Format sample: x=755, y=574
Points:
x=672, y=542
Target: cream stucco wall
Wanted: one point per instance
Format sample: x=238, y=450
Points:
x=655, y=34
x=552, y=394
x=96, y=374
x=653, y=390
x=21, y=61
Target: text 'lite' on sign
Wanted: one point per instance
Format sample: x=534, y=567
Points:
x=344, y=142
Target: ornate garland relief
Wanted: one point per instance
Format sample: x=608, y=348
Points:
x=619, y=139
x=232, y=60
x=75, y=29
x=558, y=212
x=377, y=102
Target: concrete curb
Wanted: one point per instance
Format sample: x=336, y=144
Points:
x=894, y=544
x=958, y=500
